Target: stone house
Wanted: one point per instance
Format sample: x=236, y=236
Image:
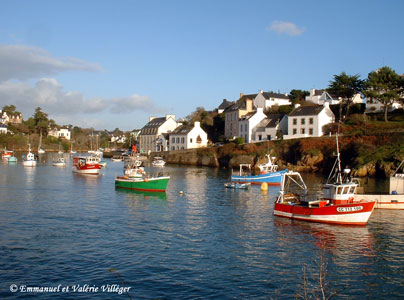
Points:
x=234, y=112
x=149, y=134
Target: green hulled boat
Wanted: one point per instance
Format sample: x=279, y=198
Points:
x=153, y=184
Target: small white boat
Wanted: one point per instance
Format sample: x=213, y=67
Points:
x=235, y=185
x=117, y=158
x=158, y=162
x=29, y=160
x=41, y=151
x=60, y=162
x=12, y=158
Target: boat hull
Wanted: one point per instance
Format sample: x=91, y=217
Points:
x=29, y=163
x=345, y=214
x=387, y=201
x=274, y=178
x=158, y=184
x=88, y=170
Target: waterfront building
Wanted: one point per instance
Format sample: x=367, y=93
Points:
x=3, y=128
x=149, y=134
x=268, y=99
x=248, y=122
x=243, y=106
x=309, y=121
x=187, y=137
x=270, y=128
x=63, y=133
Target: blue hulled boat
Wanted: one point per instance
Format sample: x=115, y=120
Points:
x=268, y=174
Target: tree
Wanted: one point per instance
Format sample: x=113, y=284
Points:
x=298, y=95
x=386, y=86
x=10, y=109
x=41, y=120
x=345, y=86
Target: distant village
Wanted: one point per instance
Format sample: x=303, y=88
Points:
x=249, y=118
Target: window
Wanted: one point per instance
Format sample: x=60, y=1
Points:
x=302, y=131
x=183, y=140
x=178, y=140
x=260, y=137
x=241, y=127
x=173, y=140
x=294, y=121
x=311, y=121
x=199, y=139
x=172, y=148
x=294, y=130
x=303, y=121
x=311, y=131
x=190, y=140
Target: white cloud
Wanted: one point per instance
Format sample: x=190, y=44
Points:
x=70, y=107
x=289, y=28
x=25, y=62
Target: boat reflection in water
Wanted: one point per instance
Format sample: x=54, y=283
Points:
x=345, y=242
x=143, y=194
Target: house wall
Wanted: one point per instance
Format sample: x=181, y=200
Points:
x=246, y=126
x=190, y=140
x=232, y=119
x=147, y=142
x=309, y=126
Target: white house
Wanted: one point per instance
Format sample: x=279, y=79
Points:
x=14, y=118
x=118, y=139
x=377, y=106
x=149, y=134
x=269, y=128
x=268, y=99
x=248, y=122
x=3, y=128
x=308, y=121
x=187, y=137
x=319, y=97
x=60, y=133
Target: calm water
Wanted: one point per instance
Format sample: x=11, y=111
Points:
x=62, y=229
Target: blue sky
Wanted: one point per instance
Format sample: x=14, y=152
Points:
x=109, y=64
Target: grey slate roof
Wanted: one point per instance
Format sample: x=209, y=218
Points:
x=273, y=120
x=241, y=103
x=153, y=126
x=182, y=130
x=268, y=95
x=225, y=104
x=312, y=110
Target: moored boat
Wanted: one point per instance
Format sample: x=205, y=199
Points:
x=29, y=160
x=158, y=162
x=6, y=154
x=60, y=162
x=12, y=159
x=235, y=185
x=87, y=165
x=336, y=206
x=152, y=184
x=268, y=174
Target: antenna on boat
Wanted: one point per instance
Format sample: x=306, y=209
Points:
x=336, y=169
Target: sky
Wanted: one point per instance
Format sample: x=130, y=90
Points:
x=113, y=64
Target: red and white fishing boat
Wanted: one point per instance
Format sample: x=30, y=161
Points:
x=337, y=205
x=6, y=154
x=86, y=165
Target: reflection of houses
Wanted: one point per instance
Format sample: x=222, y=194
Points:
x=270, y=127
x=152, y=130
x=308, y=121
x=63, y=133
x=187, y=137
x=10, y=118
x=268, y=99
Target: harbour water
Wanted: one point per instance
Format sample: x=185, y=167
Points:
x=86, y=240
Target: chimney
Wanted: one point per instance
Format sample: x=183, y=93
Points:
x=170, y=116
x=261, y=91
x=241, y=95
x=297, y=105
x=197, y=124
x=151, y=118
x=326, y=104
